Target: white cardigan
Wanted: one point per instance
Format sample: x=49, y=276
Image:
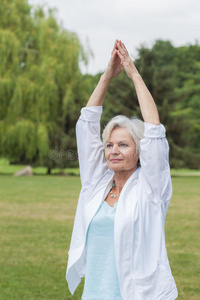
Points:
x=142, y=264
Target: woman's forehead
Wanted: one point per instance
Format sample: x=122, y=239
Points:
x=120, y=133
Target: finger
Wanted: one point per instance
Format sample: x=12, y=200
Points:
x=120, y=47
x=124, y=48
x=113, y=57
x=114, y=53
x=119, y=44
x=120, y=55
x=115, y=47
x=117, y=41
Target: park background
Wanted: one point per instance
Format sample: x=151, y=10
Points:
x=42, y=89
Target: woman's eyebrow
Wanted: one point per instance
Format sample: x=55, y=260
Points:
x=122, y=141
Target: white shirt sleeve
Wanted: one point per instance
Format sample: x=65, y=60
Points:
x=90, y=147
x=154, y=159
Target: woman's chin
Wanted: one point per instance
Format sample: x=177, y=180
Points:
x=118, y=169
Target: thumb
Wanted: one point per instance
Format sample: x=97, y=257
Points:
x=113, y=55
x=119, y=54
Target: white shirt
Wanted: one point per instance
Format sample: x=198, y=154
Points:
x=142, y=264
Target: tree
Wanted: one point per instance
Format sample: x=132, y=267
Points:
x=38, y=76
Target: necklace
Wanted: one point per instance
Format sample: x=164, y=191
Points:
x=111, y=192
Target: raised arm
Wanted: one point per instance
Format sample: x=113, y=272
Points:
x=90, y=147
x=154, y=147
x=114, y=68
x=147, y=105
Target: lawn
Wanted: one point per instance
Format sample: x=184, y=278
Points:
x=36, y=219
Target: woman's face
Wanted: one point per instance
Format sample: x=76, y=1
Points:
x=120, y=151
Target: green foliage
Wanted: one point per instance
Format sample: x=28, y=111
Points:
x=39, y=78
x=15, y=16
x=9, y=50
x=20, y=140
x=120, y=99
x=188, y=109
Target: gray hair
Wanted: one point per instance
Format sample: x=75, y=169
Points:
x=134, y=126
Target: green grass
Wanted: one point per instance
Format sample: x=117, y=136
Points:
x=184, y=172
x=36, y=219
x=7, y=169
x=182, y=236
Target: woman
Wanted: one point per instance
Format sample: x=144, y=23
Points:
x=118, y=240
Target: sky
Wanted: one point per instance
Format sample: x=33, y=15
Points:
x=98, y=23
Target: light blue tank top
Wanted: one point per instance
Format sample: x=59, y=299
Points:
x=101, y=280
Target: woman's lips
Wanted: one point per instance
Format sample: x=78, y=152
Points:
x=115, y=160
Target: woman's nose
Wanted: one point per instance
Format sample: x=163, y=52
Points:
x=115, y=149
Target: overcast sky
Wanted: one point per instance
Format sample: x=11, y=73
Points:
x=135, y=22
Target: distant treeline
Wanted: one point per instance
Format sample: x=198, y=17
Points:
x=42, y=90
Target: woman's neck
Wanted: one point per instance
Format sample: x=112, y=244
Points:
x=121, y=178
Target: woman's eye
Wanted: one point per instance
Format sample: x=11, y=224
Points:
x=108, y=146
x=123, y=145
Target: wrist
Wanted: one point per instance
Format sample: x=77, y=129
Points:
x=106, y=78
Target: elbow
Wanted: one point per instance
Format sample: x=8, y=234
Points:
x=155, y=122
x=152, y=117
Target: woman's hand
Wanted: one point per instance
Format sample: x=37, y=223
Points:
x=147, y=105
x=114, y=69
x=115, y=65
x=126, y=61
